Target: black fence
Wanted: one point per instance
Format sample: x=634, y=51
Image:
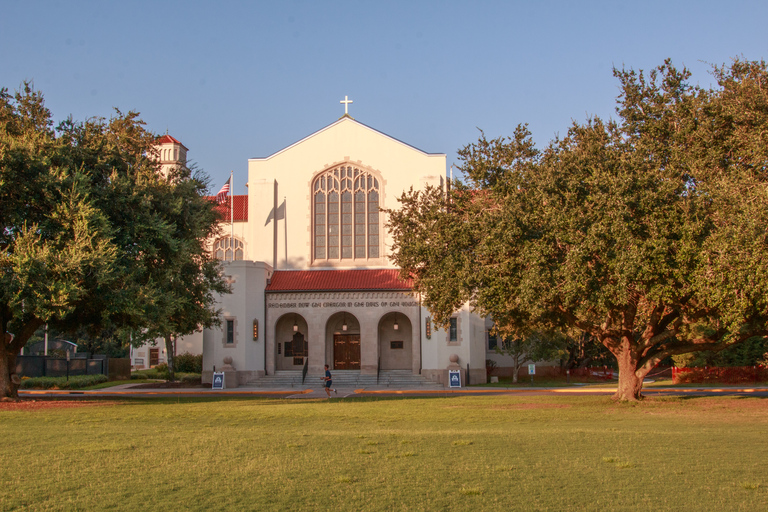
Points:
x=43, y=366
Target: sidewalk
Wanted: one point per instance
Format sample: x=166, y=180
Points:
x=128, y=390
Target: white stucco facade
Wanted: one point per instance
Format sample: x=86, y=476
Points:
x=315, y=284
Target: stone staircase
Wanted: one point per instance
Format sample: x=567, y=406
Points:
x=347, y=379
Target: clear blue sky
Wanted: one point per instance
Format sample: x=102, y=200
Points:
x=235, y=80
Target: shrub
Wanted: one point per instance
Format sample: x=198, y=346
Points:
x=490, y=367
x=189, y=363
x=152, y=373
x=74, y=382
x=189, y=378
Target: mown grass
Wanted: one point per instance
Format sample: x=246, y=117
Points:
x=460, y=453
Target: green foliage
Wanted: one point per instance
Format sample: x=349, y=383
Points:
x=189, y=378
x=649, y=232
x=490, y=367
x=582, y=350
x=109, y=342
x=748, y=353
x=160, y=372
x=536, y=346
x=93, y=236
x=74, y=382
x=189, y=363
x=151, y=373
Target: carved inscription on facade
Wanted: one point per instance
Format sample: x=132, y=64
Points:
x=403, y=302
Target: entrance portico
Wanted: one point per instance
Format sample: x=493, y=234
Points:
x=352, y=320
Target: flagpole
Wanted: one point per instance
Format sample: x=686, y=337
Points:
x=274, y=231
x=232, y=212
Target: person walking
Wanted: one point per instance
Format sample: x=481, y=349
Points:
x=328, y=381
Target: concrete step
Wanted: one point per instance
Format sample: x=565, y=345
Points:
x=287, y=379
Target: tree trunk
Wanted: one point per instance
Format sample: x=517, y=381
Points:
x=515, y=369
x=169, y=350
x=10, y=346
x=630, y=377
x=9, y=381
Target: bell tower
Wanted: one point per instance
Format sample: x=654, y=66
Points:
x=172, y=153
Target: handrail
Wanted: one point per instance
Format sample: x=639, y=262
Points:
x=378, y=369
x=467, y=374
x=304, y=371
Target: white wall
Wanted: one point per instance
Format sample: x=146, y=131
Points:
x=294, y=168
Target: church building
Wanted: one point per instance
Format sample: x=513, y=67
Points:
x=306, y=253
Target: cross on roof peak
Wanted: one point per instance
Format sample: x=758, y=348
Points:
x=346, y=101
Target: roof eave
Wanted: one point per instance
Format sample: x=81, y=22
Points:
x=338, y=290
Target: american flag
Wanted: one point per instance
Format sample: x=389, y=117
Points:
x=224, y=192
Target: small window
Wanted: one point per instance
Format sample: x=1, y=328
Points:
x=395, y=344
x=493, y=342
x=230, y=332
x=453, y=331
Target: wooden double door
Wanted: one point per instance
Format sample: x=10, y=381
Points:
x=346, y=351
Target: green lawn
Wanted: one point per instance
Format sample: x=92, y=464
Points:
x=458, y=453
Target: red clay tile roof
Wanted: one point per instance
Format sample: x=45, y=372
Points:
x=167, y=139
x=337, y=280
x=240, y=206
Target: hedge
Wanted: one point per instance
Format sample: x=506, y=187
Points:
x=74, y=382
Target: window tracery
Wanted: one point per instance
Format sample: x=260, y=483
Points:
x=224, y=247
x=345, y=203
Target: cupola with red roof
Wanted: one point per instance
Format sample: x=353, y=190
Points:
x=171, y=153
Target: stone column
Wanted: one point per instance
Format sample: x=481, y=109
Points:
x=369, y=345
x=415, y=343
x=316, y=345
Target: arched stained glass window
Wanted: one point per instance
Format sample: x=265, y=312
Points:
x=346, y=214
x=224, y=248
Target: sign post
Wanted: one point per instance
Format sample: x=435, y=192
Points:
x=531, y=371
x=454, y=378
x=218, y=380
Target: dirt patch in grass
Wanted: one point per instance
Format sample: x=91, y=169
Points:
x=734, y=404
x=531, y=406
x=514, y=407
x=32, y=405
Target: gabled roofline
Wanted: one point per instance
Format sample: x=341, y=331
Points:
x=345, y=118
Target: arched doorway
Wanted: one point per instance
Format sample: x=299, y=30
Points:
x=343, y=341
x=395, y=342
x=291, y=346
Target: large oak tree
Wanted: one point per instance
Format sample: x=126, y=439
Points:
x=92, y=234
x=649, y=232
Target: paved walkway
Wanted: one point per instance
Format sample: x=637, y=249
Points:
x=129, y=390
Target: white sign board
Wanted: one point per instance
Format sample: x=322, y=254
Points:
x=531, y=369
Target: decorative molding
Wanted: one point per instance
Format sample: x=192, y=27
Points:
x=399, y=297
